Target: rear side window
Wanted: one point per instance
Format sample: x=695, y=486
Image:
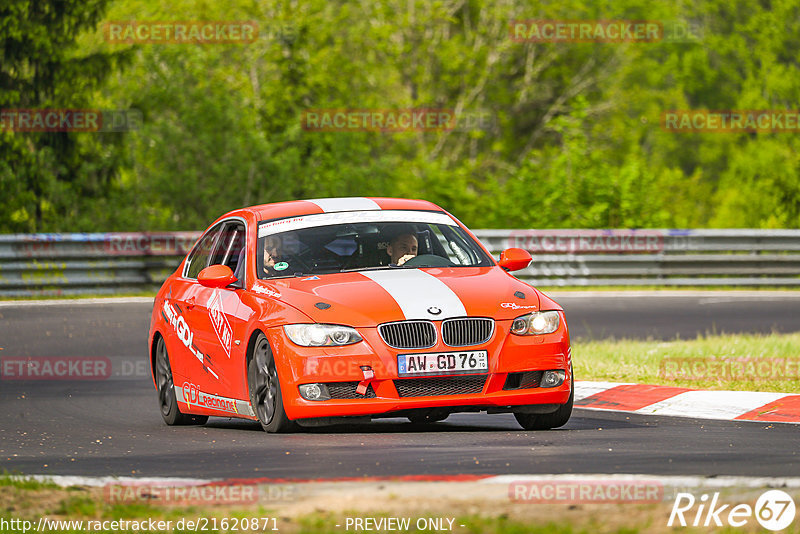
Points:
x=198, y=259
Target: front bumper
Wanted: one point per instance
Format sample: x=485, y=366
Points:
x=387, y=392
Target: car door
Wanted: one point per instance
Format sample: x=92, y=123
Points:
x=211, y=316
x=180, y=335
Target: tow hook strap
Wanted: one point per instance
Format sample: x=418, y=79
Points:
x=369, y=375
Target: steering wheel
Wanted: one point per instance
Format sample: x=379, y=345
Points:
x=301, y=264
x=428, y=260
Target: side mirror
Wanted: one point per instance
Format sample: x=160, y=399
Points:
x=216, y=276
x=514, y=259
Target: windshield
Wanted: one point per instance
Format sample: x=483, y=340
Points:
x=352, y=241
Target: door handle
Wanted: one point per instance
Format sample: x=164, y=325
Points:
x=190, y=302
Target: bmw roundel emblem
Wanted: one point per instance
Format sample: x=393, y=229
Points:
x=433, y=310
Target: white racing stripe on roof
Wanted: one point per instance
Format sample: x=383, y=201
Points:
x=327, y=219
x=345, y=204
x=415, y=291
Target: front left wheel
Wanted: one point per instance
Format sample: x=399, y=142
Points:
x=166, y=391
x=265, y=389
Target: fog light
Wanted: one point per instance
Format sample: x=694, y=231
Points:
x=552, y=379
x=314, y=392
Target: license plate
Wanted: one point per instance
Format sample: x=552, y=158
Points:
x=443, y=363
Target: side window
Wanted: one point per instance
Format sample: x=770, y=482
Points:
x=198, y=259
x=457, y=250
x=230, y=249
x=446, y=246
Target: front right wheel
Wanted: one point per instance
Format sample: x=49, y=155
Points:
x=265, y=389
x=532, y=421
x=428, y=416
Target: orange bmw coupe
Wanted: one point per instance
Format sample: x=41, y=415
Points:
x=325, y=311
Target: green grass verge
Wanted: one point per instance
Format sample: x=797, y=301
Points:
x=326, y=524
x=738, y=362
x=327, y=513
x=10, y=480
x=312, y=524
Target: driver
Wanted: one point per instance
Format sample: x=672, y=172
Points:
x=272, y=245
x=402, y=248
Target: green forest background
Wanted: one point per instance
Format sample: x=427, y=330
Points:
x=576, y=140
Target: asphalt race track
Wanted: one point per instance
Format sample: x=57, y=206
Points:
x=112, y=426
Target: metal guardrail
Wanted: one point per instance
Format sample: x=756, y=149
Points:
x=111, y=263
x=76, y=264
x=654, y=257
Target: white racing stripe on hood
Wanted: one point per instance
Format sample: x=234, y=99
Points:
x=415, y=291
x=345, y=204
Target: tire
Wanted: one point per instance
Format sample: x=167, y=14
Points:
x=167, y=402
x=265, y=389
x=430, y=416
x=530, y=421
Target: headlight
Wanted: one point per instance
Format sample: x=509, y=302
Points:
x=536, y=323
x=321, y=335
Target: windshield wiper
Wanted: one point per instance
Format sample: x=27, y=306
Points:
x=375, y=268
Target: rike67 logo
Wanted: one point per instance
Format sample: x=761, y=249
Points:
x=774, y=510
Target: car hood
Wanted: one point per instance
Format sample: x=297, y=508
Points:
x=369, y=298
